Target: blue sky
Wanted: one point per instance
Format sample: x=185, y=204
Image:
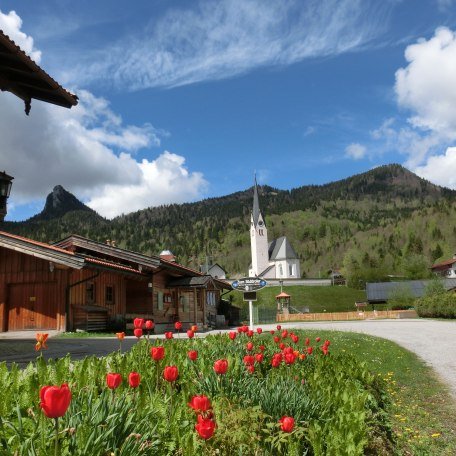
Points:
x=185, y=100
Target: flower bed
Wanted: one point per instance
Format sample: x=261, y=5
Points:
x=239, y=393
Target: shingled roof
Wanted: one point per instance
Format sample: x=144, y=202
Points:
x=20, y=75
x=281, y=249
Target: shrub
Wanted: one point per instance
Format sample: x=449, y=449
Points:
x=437, y=306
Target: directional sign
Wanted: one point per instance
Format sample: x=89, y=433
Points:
x=249, y=284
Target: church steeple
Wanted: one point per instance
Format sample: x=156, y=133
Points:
x=256, y=204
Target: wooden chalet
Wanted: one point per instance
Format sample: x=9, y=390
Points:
x=78, y=283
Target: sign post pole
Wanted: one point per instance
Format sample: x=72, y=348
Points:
x=249, y=285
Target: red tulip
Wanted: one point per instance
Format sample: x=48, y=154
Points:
x=150, y=325
x=134, y=379
x=178, y=325
x=327, y=343
x=138, y=322
x=262, y=348
x=318, y=339
x=41, y=339
x=287, y=423
x=190, y=334
x=170, y=373
x=282, y=346
x=278, y=327
x=120, y=336
x=290, y=358
x=276, y=361
x=221, y=366
x=276, y=339
x=259, y=357
x=272, y=332
x=192, y=355
x=169, y=335
x=232, y=335
x=245, y=329
x=251, y=368
x=259, y=330
x=200, y=403
x=205, y=427
x=325, y=350
x=157, y=353
x=239, y=329
x=307, y=341
x=249, y=333
x=295, y=339
x=287, y=350
x=113, y=381
x=55, y=400
x=249, y=346
x=284, y=334
x=309, y=350
x=138, y=332
x=249, y=360
x=194, y=328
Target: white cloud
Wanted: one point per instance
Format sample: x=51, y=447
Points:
x=427, y=85
x=11, y=24
x=219, y=39
x=440, y=169
x=164, y=180
x=355, y=151
x=89, y=151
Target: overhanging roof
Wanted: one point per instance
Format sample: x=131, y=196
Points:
x=40, y=250
x=20, y=75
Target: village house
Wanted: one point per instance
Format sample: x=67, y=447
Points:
x=78, y=283
x=445, y=268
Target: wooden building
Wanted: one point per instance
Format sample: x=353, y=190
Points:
x=80, y=283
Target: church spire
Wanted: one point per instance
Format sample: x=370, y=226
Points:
x=256, y=204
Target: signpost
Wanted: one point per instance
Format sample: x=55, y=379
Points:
x=249, y=285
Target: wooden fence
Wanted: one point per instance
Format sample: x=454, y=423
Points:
x=338, y=316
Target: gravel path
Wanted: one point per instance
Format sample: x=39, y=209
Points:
x=434, y=341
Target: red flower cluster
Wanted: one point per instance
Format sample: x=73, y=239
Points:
x=205, y=425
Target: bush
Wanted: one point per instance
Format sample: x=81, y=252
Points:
x=437, y=306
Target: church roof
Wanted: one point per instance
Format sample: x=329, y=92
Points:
x=281, y=249
x=256, y=204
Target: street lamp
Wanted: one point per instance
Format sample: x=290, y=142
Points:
x=5, y=189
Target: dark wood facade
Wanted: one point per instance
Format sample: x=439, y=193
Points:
x=42, y=285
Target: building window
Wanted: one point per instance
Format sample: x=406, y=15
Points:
x=290, y=269
x=159, y=300
x=90, y=293
x=211, y=298
x=109, y=295
x=260, y=232
x=167, y=298
x=280, y=270
x=184, y=303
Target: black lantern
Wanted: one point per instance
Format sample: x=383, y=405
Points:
x=5, y=189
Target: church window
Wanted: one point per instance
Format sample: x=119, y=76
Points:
x=280, y=270
x=260, y=232
x=290, y=269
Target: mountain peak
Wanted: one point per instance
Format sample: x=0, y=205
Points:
x=58, y=203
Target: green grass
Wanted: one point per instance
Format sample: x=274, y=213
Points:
x=318, y=299
x=422, y=411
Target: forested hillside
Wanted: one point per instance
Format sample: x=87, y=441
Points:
x=385, y=221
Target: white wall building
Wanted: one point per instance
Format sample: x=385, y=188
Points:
x=274, y=260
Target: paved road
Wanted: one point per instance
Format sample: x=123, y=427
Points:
x=434, y=341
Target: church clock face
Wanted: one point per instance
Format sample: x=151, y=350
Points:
x=260, y=223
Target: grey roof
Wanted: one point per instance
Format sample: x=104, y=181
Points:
x=281, y=249
x=261, y=274
x=381, y=291
x=206, y=268
x=256, y=204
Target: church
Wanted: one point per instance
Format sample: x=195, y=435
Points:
x=270, y=260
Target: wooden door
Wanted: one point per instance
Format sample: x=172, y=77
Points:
x=32, y=306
